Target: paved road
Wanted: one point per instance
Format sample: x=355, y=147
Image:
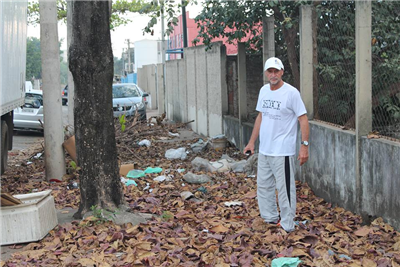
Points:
x=24, y=139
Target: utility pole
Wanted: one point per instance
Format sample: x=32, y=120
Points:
x=129, y=55
x=184, y=30
x=53, y=128
x=163, y=52
x=71, y=87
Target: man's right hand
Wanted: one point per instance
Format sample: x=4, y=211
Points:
x=249, y=147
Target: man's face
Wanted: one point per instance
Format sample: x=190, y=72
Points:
x=274, y=75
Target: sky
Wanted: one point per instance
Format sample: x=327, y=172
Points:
x=133, y=31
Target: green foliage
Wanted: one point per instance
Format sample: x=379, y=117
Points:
x=122, y=122
x=167, y=216
x=33, y=59
x=119, y=9
x=102, y=215
x=171, y=9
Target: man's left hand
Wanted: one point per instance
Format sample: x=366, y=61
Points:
x=303, y=155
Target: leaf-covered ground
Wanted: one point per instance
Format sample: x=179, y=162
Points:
x=199, y=231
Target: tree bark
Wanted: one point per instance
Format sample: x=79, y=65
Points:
x=290, y=39
x=91, y=64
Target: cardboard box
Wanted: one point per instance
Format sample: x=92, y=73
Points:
x=125, y=168
x=30, y=221
x=69, y=145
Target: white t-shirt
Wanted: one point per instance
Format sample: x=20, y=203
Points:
x=280, y=110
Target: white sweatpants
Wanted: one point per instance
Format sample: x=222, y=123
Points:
x=277, y=172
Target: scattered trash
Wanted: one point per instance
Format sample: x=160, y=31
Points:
x=173, y=134
x=29, y=162
x=54, y=180
x=301, y=222
x=233, y=203
x=162, y=178
x=285, y=262
x=73, y=185
x=343, y=256
x=180, y=170
x=153, y=170
x=238, y=166
x=221, y=165
x=200, y=164
x=186, y=195
x=199, y=146
x=251, y=176
x=38, y=155
x=135, y=174
x=128, y=182
x=251, y=166
x=219, y=136
x=202, y=189
x=179, y=153
x=331, y=252
x=196, y=179
x=205, y=231
x=145, y=142
x=147, y=186
x=125, y=168
x=35, y=190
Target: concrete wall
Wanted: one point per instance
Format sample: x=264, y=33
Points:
x=196, y=89
x=147, y=81
x=330, y=170
x=380, y=172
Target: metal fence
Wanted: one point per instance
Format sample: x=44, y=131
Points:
x=336, y=63
x=386, y=68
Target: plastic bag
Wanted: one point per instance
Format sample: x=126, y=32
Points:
x=179, y=153
x=135, y=174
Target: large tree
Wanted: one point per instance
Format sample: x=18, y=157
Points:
x=33, y=59
x=91, y=64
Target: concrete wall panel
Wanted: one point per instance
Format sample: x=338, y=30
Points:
x=380, y=172
x=191, y=72
x=182, y=97
x=214, y=95
x=201, y=91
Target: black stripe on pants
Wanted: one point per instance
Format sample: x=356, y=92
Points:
x=287, y=177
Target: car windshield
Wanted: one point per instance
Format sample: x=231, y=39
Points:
x=33, y=98
x=124, y=91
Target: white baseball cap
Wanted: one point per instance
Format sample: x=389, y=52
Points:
x=273, y=62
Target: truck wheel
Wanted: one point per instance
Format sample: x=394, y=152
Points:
x=4, y=146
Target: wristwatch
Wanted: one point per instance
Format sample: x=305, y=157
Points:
x=304, y=143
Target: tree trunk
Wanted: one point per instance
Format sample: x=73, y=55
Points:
x=91, y=64
x=290, y=39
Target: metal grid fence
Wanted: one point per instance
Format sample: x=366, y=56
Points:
x=336, y=63
x=386, y=68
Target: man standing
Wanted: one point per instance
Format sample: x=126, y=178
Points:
x=280, y=107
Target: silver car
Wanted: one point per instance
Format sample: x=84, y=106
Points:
x=28, y=116
x=127, y=99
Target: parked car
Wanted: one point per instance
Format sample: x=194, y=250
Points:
x=64, y=94
x=27, y=117
x=129, y=98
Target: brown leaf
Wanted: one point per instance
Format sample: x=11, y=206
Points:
x=219, y=229
x=251, y=194
x=363, y=231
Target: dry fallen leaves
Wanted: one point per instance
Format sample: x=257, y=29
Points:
x=197, y=233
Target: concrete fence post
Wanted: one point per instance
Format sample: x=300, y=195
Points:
x=268, y=40
x=53, y=129
x=306, y=59
x=242, y=81
x=363, y=84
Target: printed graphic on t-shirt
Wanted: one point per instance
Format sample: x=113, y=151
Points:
x=273, y=104
x=276, y=117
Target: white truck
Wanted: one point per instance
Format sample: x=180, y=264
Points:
x=13, y=30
